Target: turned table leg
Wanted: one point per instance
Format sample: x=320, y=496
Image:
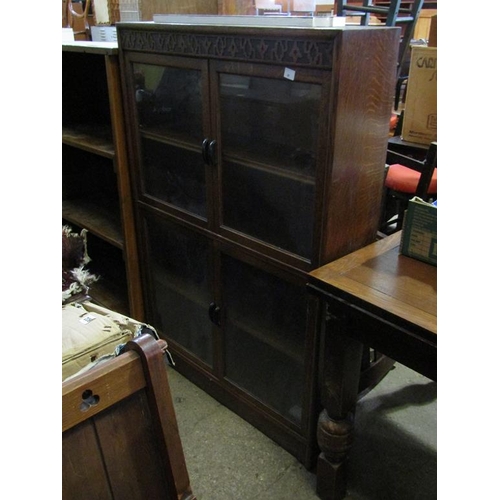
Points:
x=341, y=366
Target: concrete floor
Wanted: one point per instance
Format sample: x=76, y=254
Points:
x=394, y=456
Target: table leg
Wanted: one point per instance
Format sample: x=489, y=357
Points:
x=341, y=368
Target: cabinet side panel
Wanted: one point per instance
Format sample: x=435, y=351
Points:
x=365, y=76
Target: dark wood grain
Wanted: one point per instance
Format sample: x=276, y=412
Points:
x=358, y=140
x=83, y=471
x=353, y=70
x=126, y=445
x=390, y=283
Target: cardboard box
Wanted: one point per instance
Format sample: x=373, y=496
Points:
x=423, y=25
x=419, y=236
x=420, y=114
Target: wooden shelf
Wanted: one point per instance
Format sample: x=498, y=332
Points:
x=250, y=160
x=268, y=157
x=281, y=344
x=110, y=295
x=97, y=140
x=100, y=48
x=99, y=220
x=171, y=138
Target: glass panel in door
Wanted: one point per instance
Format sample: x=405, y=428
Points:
x=264, y=336
x=168, y=103
x=169, y=100
x=180, y=286
x=269, y=136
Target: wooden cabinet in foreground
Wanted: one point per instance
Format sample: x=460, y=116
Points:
x=258, y=156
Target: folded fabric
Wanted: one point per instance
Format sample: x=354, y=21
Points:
x=92, y=333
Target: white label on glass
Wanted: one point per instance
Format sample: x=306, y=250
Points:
x=289, y=74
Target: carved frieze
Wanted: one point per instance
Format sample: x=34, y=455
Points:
x=277, y=50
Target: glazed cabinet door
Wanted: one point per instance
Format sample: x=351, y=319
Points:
x=179, y=286
x=244, y=321
x=228, y=159
x=270, y=124
x=170, y=112
x=265, y=335
x=235, y=316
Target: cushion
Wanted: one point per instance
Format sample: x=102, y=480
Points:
x=405, y=180
x=91, y=334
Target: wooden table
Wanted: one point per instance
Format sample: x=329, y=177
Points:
x=375, y=297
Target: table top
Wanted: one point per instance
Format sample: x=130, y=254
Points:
x=379, y=277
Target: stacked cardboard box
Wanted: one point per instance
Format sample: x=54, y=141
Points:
x=420, y=116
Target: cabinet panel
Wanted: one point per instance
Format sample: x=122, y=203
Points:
x=264, y=335
x=270, y=121
x=169, y=102
x=180, y=285
x=275, y=209
x=96, y=192
x=89, y=195
x=269, y=134
x=175, y=176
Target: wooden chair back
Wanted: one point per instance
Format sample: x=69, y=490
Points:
x=120, y=438
x=77, y=19
x=400, y=187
